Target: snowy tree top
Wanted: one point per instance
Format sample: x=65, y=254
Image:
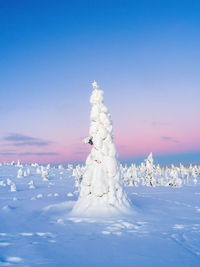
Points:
x=95, y=85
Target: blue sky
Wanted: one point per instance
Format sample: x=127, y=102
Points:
x=144, y=54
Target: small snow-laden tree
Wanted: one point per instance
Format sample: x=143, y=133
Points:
x=78, y=172
x=27, y=172
x=126, y=174
x=183, y=173
x=141, y=173
x=174, y=179
x=20, y=173
x=45, y=173
x=158, y=175
x=135, y=178
x=164, y=176
x=198, y=169
x=131, y=175
x=38, y=170
x=150, y=171
x=70, y=167
x=19, y=164
x=31, y=185
x=34, y=164
x=194, y=174
x=101, y=189
x=48, y=166
x=13, y=188
x=2, y=183
x=60, y=167
x=123, y=171
x=8, y=181
x=190, y=169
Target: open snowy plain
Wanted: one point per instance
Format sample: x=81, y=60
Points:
x=36, y=228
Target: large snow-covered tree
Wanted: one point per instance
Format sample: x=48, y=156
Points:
x=101, y=189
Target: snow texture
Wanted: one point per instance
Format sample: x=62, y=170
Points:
x=39, y=231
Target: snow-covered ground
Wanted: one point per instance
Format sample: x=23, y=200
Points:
x=36, y=228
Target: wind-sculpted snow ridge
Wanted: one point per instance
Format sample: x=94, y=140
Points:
x=101, y=188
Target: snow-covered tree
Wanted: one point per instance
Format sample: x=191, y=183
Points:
x=13, y=188
x=150, y=170
x=158, y=175
x=45, y=173
x=18, y=163
x=38, y=170
x=78, y=172
x=34, y=165
x=48, y=166
x=31, y=185
x=2, y=183
x=27, y=172
x=70, y=167
x=135, y=178
x=183, y=173
x=60, y=167
x=101, y=190
x=194, y=174
x=174, y=179
x=130, y=175
x=9, y=182
x=20, y=173
x=141, y=172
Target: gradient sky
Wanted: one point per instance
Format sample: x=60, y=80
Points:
x=145, y=55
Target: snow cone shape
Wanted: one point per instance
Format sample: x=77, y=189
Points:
x=101, y=190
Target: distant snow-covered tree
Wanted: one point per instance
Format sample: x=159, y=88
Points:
x=2, y=183
x=150, y=171
x=20, y=173
x=38, y=170
x=31, y=185
x=69, y=167
x=48, y=166
x=13, y=187
x=45, y=173
x=19, y=165
x=8, y=181
x=194, y=173
x=78, y=172
x=174, y=179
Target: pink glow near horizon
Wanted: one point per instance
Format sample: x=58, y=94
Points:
x=135, y=135
x=128, y=145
